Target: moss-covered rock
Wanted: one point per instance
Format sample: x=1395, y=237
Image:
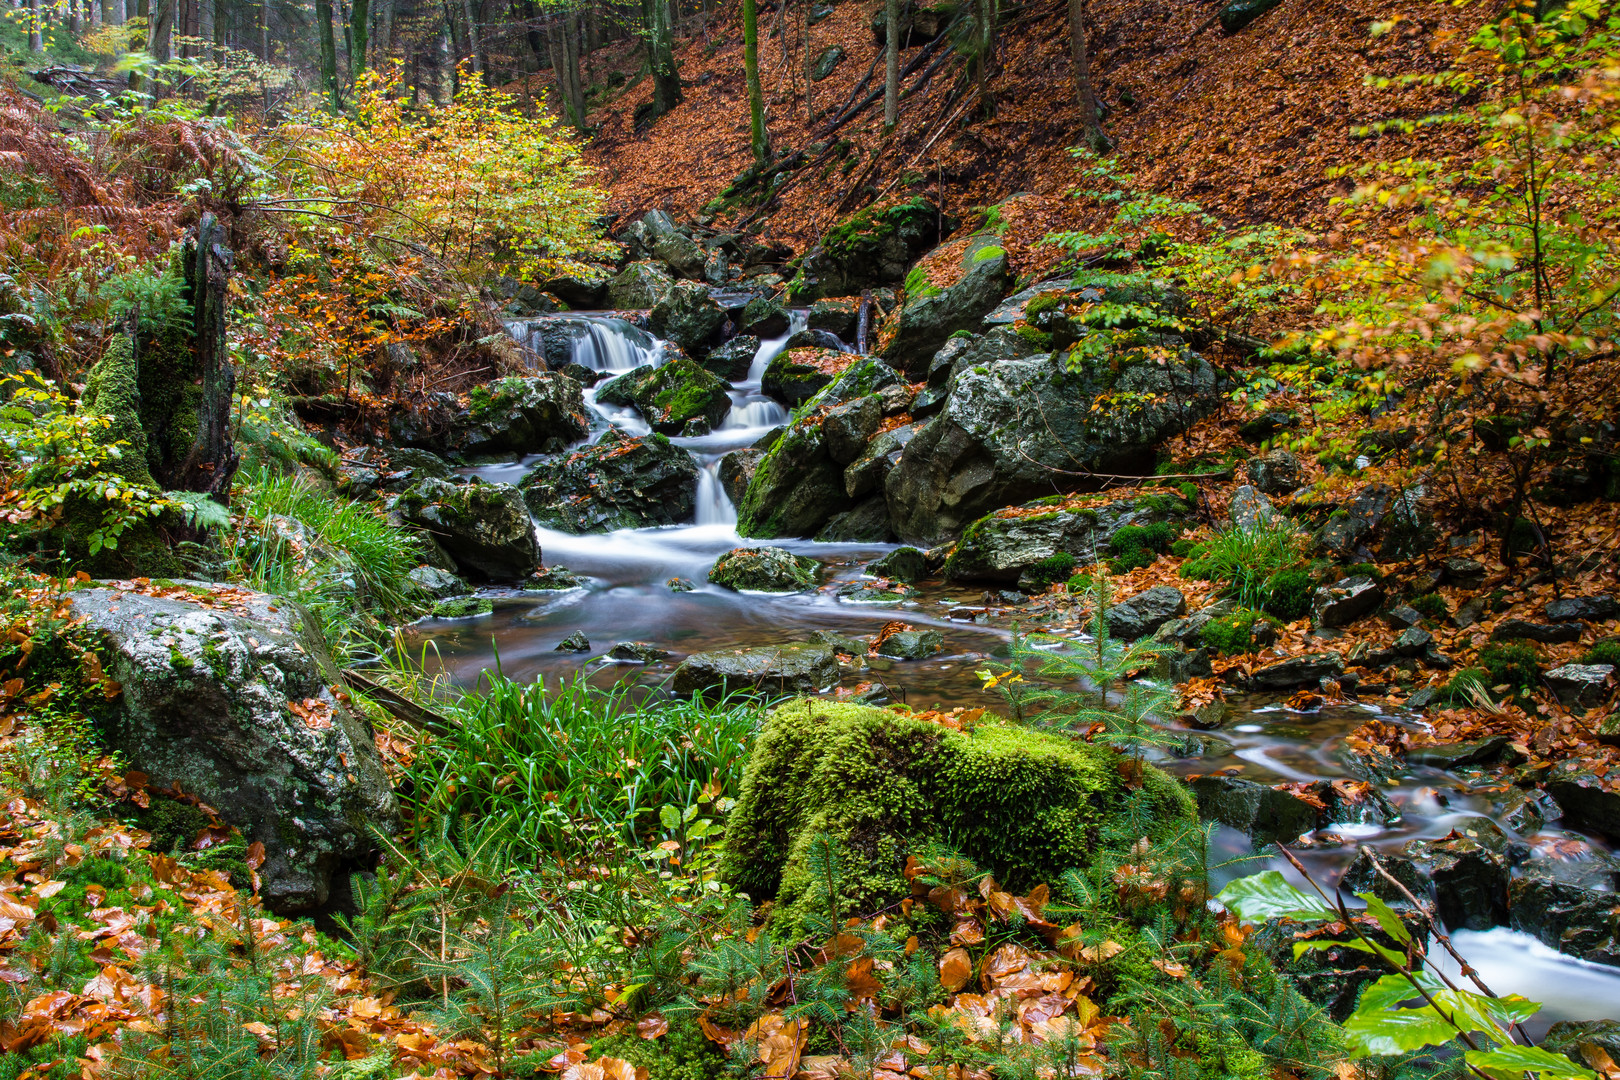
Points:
x=872, y=247
x=485, y=527
x=537, y=414
x=1022, y=804
x=687, y=315
x=618, y=482
x=671, y=394
x=929, y=319
x=794, y=376
x=999, y=548
x=768, y=569
x=639, y=285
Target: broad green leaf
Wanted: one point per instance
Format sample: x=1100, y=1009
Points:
x=1396, y=1031
x=1393, y=957
x=1387, y=918
x=1267, y=895
x=1389, y=991
x=669, y=817
x=1512, y=1062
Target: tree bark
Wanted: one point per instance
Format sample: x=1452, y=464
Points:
x=571, y=62
x=891, y=65
x=756, y=95
x=212, y=460
x=661, y=56
x=359, y=36
x=36, y=26
x=809, y=64
x=205, y=26
x=1091, y=132
x=475, y=45
x=986, y=19
x=329, y=64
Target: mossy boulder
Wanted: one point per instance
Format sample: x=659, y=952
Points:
x=485, y=528
x=1022, y=804
x=765, y=317
x=1015, y=430
x=872, y=247
x=671, y=394
x=688, y=316
x=639, y=285
x=1002, y=547
x=767, y=569
x=732, y=360
x=537, y=414
x=618, y=482
x=839, y=316
x=927, y=320
x=794, y=376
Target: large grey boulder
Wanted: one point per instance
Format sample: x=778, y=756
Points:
x=926, y=321
x=619, y=482
x=1145, y=612
x=1263, y=813
x=1002, y=546
x=1575, y=919
x=875, y=246
x=848, y=428
x=682, y=254
x=485, y=528
x=1346, y=601
x=670, y=395
x=1249, y=509
x=226, y=693
x=1017, y=429
x=1306, y=670
x=639, y=285
x=688, y=316
x=776, y=669
x=537, y=414
x=732, y=360
x=1276, y=473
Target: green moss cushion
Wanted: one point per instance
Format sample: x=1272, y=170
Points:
x=1022, y=804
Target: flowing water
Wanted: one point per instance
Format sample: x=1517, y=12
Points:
x=628, y=598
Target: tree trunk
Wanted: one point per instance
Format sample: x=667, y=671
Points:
x=1091, y=132
x=211, y=462
x=205, y=26
x=809, y=63
x=329, y=65
x=359, y=36
x=118, y=13
x=36, y=27
x=571, y=75
x=160, y=38
x=891, y=65
x=756, y=94
x=661, y=56
x=475, y=45
x=986, y=19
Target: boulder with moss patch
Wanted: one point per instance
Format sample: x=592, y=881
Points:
x=688, y=316
x=536, y=414
x=1023, y=805
x=1003, y=546
x=670, y=395
x=226, y=693
x=1017, y=429
x=618, y=482
x=485, y=528
x=638, y=286
x=767, y=569
x=931, y=316
x=872, y=247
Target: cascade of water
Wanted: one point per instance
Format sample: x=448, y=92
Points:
x=751, y=411
x=771, y=348
x=614, y=345
x=713, y=506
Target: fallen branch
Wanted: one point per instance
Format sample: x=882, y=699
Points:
x=401, y=707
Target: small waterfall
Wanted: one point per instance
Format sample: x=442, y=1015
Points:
x=713, y=508
x=753, y=412
x=771, y=348
x=610, y=344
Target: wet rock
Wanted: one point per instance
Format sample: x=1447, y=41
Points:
x=681, y=254
x=463, y=607
x=1470, y=881
x=735, y=471
x=839, y=317
x=866, y=522
x=1346, y=601
x=732, y=360
x=638, y=286
x=1586, y=799
x=902, y=564
x=911, y=644
x=1276, y=473
x=637, y=652
x=485, y=528
x=875, y=246
x=1587, y=608
x=1003, y=546
x=779, y=669
x=895, y=399
x=1350, y=802
x=1362, y=876
x=582, y=374
x=1248, y=509
x=764, y=317
x=1402, y=617
x=583, y=291
x=1413, y=642
x=848, y=428
x=1268, y=424
x=1526, y=811
x=1461, y=571
x=866, y=473
x=207, y=705
x=575, y=642
x=680, y=585
x=826, y=63
x=926, y=321
x=1457, y=754
x=928, y=403
x=858, y=592
x=1546, y=633
x=689, y=317
x=420, y=465
x=1263, y=813
x=1568, y=1037
x=1576, y=921
x=1469, y=613
x=1581, y=686
x=1355, y=520
x=618, y=482
x=794, y=376
x=768, y=569
x=1298, y=671
x=1178, y=665
x=1011, y=430
x=840, y=643
x=552, y=579
x=670, y=395
x=538, y=414
x=1145, y=612
x=796, y=487
x=438, y=584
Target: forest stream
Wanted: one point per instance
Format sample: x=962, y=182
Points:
x=627, y=598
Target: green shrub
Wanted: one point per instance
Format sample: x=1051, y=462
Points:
x=1053, y=569
x=1232, y=634
x=1362, y=569
x=1604, y=652
x=1040, y=339
x=1042, y=302
x=1248, y=558
x=684, y=1052
x=1186, y=549
x=1288, y=594
x=1156, y=537
x=1189, y=490
x=1079, y=583
x=1130, y=560
x=1431, y=606
x=1512, y=663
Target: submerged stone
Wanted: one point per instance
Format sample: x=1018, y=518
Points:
x=766, y=669
x=768, y=569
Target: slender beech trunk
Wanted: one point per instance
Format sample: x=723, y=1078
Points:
x=359, y=36
x=1091, y=132
x=329, y=65
x=986, y=19
x=160, y=38
x=756, y=94
x=475, y=45
x=809, y=63
x=36, y=26
x=661, y=56
x=571, y=69
x=891, y=65
x=206, y=16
